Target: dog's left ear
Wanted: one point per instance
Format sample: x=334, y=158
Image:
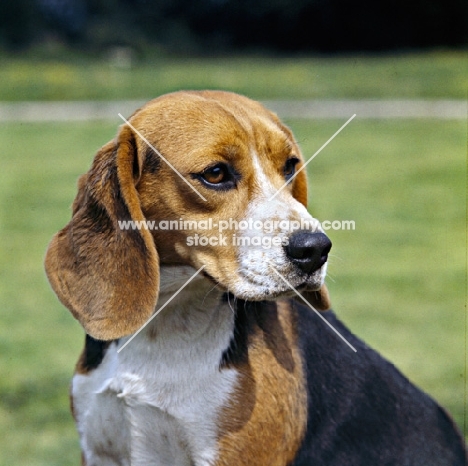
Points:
x=319, y=299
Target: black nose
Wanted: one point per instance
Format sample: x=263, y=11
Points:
x=309, y=251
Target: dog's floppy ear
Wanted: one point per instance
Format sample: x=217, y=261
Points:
x=320, y=299
x=106, y=276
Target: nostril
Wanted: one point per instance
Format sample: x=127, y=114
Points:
x=308, y=250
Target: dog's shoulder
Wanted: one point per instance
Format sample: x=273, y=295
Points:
x=361, y=409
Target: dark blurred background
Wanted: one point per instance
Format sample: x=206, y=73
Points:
x=221, y=26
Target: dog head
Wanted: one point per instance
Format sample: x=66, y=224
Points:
x=208, y=179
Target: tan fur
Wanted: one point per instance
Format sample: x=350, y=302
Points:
x=266, y=421
x=109, y=278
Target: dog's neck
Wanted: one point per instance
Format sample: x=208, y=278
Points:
x=196, y=302
x=187, y=313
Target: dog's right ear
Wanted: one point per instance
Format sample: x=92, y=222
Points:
x=108, y=277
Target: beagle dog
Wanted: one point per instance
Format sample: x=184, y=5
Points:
x=232, y=371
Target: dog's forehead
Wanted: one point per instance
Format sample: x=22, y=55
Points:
x=189, y=120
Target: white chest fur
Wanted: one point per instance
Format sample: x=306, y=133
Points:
x=157, y=402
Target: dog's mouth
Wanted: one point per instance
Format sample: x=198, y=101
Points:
x=269, y=288
x=212, y=279
x=307, y=285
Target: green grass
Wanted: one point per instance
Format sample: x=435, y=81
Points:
x=398, y=280
x=38, y=340
x=438, y=74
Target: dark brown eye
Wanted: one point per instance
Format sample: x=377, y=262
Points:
x=289, y=168
x=220, y=176
x=216, y=174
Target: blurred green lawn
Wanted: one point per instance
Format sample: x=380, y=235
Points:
x=398, y=280
x=437, y=74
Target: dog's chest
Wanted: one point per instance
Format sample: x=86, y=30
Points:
x=158, y=401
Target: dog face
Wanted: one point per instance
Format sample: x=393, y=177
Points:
x=214, y=193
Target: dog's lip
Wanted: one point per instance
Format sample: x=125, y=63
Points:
x=274, y=295
x=211, y=278
x=306, y=286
